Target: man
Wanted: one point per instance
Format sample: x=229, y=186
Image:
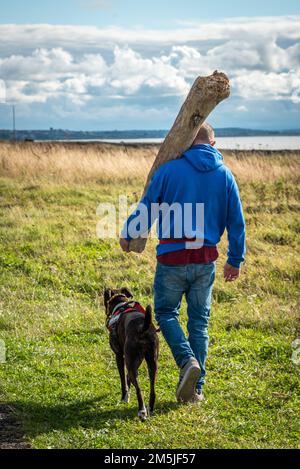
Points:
x=185, y=266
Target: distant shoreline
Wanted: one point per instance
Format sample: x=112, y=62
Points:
x=54, y=134
x=264, y=143
x=142, y=145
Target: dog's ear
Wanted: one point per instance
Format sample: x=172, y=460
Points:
x=127, y=292
x=107, y=295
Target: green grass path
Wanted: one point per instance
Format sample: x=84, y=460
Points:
x=60, y=373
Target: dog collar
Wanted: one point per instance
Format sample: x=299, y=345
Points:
x=121, y=308
x=118, y=306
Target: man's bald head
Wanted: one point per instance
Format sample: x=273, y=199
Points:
x=205, y=134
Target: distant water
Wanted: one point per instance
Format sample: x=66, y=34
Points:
x=259, y=143
x=226, y=143
x=239, y=143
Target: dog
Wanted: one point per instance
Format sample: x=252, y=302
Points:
x=132, y=337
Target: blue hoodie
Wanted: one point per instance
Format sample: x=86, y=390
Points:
x=199, y=176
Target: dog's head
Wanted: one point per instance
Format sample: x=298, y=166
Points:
x=113, y=297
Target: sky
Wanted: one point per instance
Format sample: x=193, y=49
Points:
x=113, y=64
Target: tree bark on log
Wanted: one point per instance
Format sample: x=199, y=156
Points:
x=205, y=94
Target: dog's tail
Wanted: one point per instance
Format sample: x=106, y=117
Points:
x=148, y=318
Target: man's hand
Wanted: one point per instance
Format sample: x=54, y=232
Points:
x=231, y=273
x=124, y=244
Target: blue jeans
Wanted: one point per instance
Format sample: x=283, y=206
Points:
x=196, y=282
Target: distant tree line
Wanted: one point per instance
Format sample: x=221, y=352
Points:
x=61, y=134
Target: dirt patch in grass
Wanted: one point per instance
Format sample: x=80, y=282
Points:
x=11, y=434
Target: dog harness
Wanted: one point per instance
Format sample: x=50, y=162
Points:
x=123, y=308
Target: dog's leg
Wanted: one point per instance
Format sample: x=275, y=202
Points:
x=152, y=371
x=121, y=368
x=128, y=381
x=142, y=413
x=133, y=359
x=128, y=389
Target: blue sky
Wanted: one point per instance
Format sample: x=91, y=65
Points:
x=130, y=13
x=108, y=64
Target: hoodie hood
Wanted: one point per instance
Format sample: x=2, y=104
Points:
x=204, y=157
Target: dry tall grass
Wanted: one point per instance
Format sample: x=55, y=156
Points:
x=79, y=162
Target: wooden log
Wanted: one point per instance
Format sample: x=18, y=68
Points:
x=203, y=97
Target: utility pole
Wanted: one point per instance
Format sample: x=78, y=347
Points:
x=14, y=122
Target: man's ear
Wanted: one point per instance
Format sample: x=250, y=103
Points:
x=127, y=292
x=107, y=295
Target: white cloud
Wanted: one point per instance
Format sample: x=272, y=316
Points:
x=80, y=65
x=92, y=38
x=268, y=86
x=242, y=108
x=55, y=73
x=130, y=72
x=2, y=92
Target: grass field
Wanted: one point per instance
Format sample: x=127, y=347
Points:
x=60, y=374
